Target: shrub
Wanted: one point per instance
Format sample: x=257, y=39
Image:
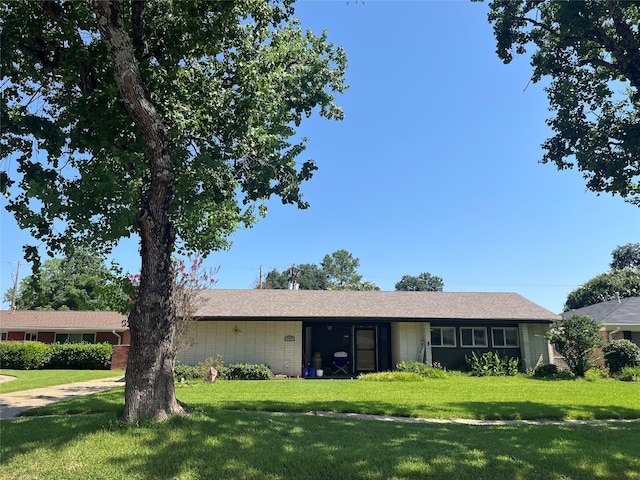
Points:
x=596, y=373
x=81, y=356
x=545, y=371
x=24, y=356
x=621, y=353
x=576, y=338
x=630, y=374
x=245, y=371
x=200, y=371
x=421, y=369
x=490, y=364
x=392, y=377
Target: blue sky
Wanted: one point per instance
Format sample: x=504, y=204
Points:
x=434, y=169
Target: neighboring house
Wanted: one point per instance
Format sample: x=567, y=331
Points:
x=286, y=329
x=62, y=326
x=621, y=318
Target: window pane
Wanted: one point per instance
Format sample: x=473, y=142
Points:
x=75, y=338
x=498, y=337
x=449, y=337
x=61, y=337
x=436, y=336
x=511, y=337
x=479, y=337
x=466, y=337
x=88, y=337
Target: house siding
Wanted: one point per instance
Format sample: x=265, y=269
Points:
x=534, y=347
x=247, y=342
x=406, y=339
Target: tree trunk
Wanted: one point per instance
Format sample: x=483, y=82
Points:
x=149, y=390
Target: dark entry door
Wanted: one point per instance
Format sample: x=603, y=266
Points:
x=365, y=340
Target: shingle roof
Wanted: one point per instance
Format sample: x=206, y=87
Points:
x=625, y=312
x=278, y=304
x=61, y=319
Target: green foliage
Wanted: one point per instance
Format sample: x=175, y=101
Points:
x=232, y=80
x=630, y=374
x=79, y=281
x=425, y=282
x=626, y=256
x=82, y=356
x=590, y=50
x=576, y=338
x=405, y=376
x=36, y=355
x=595, y=373
x=604, y=287
x=546, y=371
x=24, y=356
x=490, y=364
x=621, y=353
x=308, y=276
x=337, y=271
x=245, y=371
x=421, y=369
x=200, y=371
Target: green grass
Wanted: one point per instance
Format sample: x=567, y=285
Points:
x=28, y=379
x=219, y=441
x=246, y=445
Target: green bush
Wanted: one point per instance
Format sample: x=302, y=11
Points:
x=490, y=364
x=245, y=371
x=595, y=373
x=200, y=371
x=392, y=377
x=545, y=371
x=621, y=353
x=630, y=374
x=24, y=356
x=81, y=356
x=421, y=369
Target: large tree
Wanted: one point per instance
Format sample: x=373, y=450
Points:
x=80, y=281
x=590, y=50
x=425, y=282
x=619, y=283
x=308, y=276
x=626, y=256
x=341, y=268
x=169, y=120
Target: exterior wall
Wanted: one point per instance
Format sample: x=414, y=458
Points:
x=119, y=357
x=248, y=342
x=406, y=338
x=46, y=337
x=111, y=338
x=534, y=347
x=15, y=336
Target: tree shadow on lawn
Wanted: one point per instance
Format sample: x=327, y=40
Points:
x=110, y=401
x=469, y=410
x=244, y=445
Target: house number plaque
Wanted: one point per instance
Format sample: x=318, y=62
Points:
x=289, y=338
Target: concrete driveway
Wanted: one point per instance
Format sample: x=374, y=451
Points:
x=13, y=403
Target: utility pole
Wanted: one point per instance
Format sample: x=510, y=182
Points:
x=15, y=289
x=260, y=281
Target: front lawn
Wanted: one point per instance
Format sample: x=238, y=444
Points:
x=28, y=379
x=220, y=441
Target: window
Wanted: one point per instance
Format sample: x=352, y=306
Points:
x=31, y=337
x=75, y=337
x=505, y=337
x=473, y=336
x=3, y=336
x=443, y=337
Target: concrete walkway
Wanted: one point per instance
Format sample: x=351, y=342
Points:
x=13, y=403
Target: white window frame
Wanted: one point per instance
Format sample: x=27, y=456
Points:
x=30, y=336
x=504, y=336
x=442, y=337
x=473, y=337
